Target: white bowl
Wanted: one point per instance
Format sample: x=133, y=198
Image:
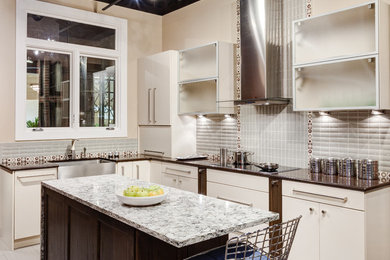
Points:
x=142, y=201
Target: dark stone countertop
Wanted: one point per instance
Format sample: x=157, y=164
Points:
x=300, y=175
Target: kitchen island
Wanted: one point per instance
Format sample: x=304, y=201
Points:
x=83, y=219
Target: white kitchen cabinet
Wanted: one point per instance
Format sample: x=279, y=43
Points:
x=240, y=188
x=21, y=206
x=341, y=233
x=180, y=176
x=306, y=243
x=179, y=182
x=125, y=169
x=155, y=172
x=161, y=130
x=206, y=79
x=154, y=88
x=337, y=223
x=28, y=201
x=139, y=170
x=341, y=59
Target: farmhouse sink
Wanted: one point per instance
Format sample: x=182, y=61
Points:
x=82, y=168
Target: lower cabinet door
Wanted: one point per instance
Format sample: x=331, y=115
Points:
x=306, y=242
x=141, y=170
x=188, y=184
x=155, y=172
x=239, y=195
x=169, y=180
x=125, y=169
x=28, y=201
x=341, y=233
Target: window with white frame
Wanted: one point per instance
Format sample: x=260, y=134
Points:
x=70, y=73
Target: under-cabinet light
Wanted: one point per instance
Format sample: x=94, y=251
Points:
x=322, y=113
x=377, y=112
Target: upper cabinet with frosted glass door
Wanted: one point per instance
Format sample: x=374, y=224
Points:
x=71, y=73
x=341, y=59
x=206, y=79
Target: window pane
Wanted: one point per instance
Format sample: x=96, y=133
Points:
x=53, y=29
x=48, y=89
x=97, y=92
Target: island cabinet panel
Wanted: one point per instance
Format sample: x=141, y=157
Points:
x=83, y=234
x=74, y=231
x=55, y=224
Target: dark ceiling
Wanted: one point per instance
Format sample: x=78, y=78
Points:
x=159, y=7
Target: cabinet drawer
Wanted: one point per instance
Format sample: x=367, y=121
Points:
x=28, y=201
x=239, y=195
x=182, y=170
x=239, y=180
x=329, y=195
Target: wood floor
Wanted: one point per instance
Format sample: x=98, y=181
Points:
x=26, y=253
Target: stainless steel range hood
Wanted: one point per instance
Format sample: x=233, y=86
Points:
x=266, y=51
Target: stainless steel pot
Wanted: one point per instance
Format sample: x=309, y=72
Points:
x=241, y=157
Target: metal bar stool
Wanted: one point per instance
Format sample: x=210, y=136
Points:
x=271, y=243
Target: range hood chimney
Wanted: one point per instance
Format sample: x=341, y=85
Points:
x=265, y=52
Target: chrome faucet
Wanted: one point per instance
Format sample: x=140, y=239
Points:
x=72, y=154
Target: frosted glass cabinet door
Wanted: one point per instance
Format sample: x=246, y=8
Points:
x=342, y=85
x=198, y=63
x=345, y=33
x=198, y=97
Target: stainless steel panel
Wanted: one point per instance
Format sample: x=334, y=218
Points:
x=266, y=52
x=82, y=168
x=253, y=49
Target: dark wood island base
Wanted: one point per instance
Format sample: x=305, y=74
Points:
x=71, y=230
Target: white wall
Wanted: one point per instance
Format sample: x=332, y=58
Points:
x=199, y=23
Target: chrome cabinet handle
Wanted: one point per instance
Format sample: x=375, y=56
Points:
x=40, y=129
x=235, y=201
x=149, y=121
x=123, y=170
x=343, y=200
x=154, y=105
x=137, y=172
x=177, y=170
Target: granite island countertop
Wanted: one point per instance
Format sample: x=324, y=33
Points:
x=184, y=218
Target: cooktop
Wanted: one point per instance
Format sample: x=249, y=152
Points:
x=254, y=168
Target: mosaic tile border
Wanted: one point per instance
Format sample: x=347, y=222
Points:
x=43, y=159
x=238, y=74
